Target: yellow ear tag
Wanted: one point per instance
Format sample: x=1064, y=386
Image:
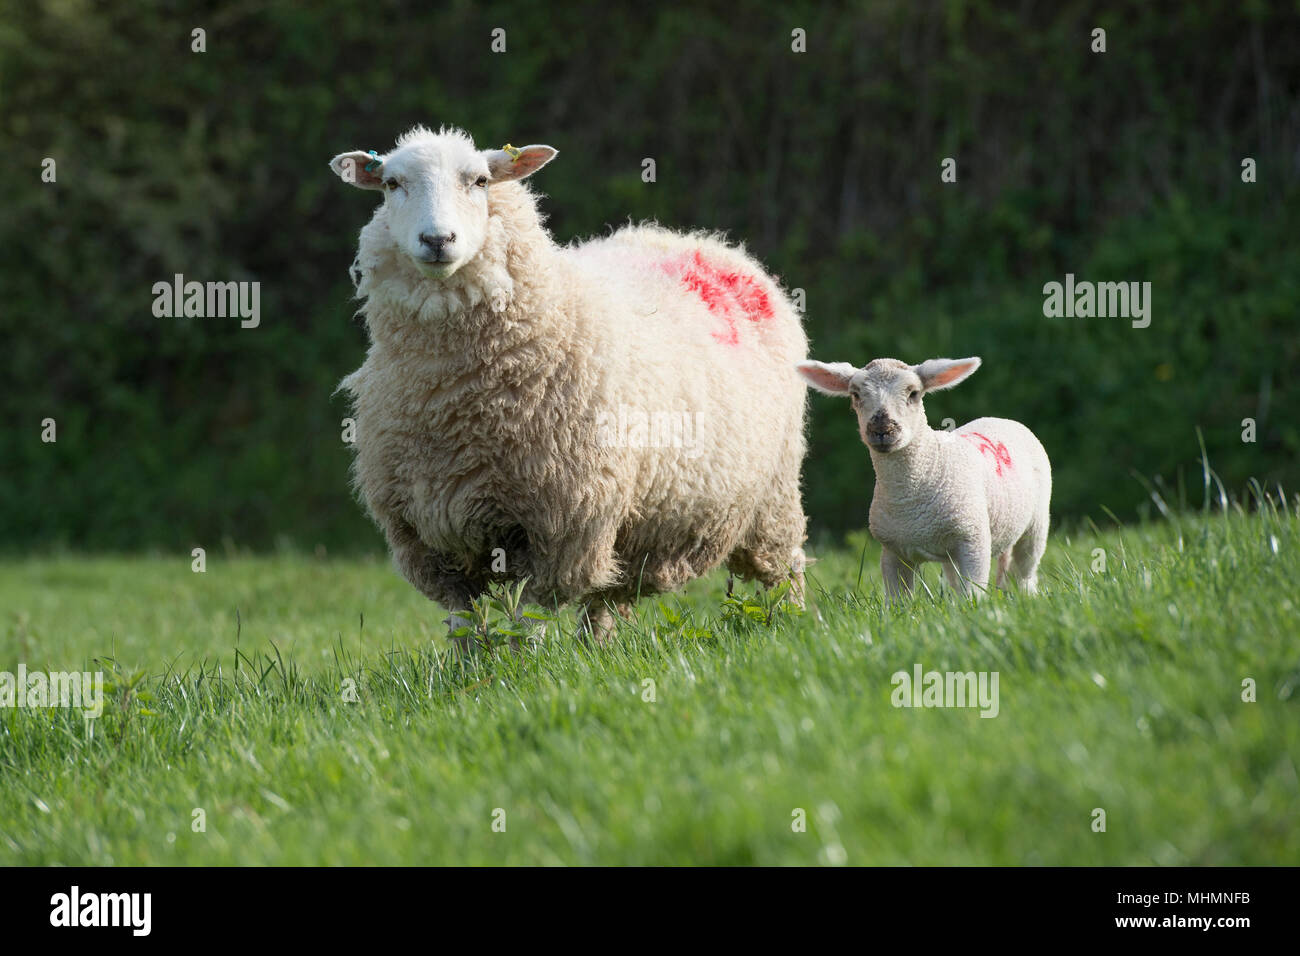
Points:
x=514, y=153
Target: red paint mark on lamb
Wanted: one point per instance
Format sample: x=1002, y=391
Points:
x=728, y=294
x=987, y=446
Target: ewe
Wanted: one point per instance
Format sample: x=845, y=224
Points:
x=954, y=497
x=492, y=407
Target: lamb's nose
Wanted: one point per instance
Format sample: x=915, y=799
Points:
x=881, y=425
x=437, y=242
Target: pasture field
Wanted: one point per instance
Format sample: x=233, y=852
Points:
x=1119, y=689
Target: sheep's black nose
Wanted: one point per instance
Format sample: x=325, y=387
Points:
x=881, y=424
x=437, y=242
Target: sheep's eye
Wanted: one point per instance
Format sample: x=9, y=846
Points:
x=391, y=183
x=913, y=395
x=481, y=181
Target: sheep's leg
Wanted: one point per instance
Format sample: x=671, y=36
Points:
x=794, y=574
x=456, y=618
x=967, y=567
x=771, y=550
x=1004, y=563
x=597, y=620
x=897, y=574
x=434, y=577
x=771, y=568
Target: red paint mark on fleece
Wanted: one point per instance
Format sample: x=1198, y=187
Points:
x=728, y=295
x=989, y=447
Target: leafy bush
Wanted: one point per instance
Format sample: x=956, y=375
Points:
x=175, y=433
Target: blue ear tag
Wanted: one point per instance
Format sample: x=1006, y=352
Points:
x=374, y=163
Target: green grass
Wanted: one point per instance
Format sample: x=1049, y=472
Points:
x=1120, y=690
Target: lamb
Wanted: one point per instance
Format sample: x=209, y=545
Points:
x=502, y=408
x=956, y=497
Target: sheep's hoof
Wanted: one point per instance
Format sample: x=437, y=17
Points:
x=599, y=623
x=796, y=595
x=462, y=645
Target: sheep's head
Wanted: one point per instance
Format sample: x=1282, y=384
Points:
x=887, y=394
x=435, y=188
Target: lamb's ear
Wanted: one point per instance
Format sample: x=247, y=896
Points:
x=510, y=163
x=832, y=378
x=363, y=170
x=936, y=374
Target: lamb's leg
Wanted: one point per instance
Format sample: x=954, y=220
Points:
x=967, y=567
x=1026, y=555
x=1004, y=562
x=897, y=574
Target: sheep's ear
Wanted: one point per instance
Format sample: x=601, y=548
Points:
x=945, y=373
x=511, y=163
x=361, y=169
x=832, y=378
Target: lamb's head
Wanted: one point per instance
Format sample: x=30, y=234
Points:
x=435, y=188
x=887, y=394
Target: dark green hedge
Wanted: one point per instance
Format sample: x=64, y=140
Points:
x=1123, y=165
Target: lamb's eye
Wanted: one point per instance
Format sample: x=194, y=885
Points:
x=391, y=183
x=481, y=181
x=913, y=395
